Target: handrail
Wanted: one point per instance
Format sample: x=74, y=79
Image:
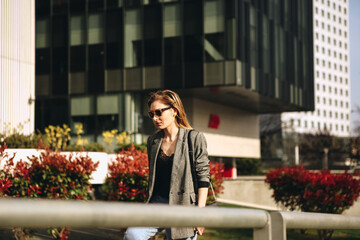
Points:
x=41, y=213
x=280, y=221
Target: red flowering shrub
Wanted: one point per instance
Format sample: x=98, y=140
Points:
x=217, y=179
x=127, y=178
x=5, y=179
x=310, y=191
x=52, y=175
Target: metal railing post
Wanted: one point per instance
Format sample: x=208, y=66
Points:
x=265, y=232
x=278, y=226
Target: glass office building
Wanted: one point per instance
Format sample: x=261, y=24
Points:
x=96, y=60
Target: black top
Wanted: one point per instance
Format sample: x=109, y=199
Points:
x=163, y=175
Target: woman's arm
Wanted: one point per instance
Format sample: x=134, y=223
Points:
x=202, y=195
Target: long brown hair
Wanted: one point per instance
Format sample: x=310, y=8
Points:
x=171, y=98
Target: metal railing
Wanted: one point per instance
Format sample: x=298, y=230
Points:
x=280, y=221
x=88, y=214
x=54, y=213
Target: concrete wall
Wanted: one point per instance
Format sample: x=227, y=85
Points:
x=17, y=63
x=254, y=191
x=238, y=132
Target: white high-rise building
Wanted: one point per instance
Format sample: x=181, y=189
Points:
x=17, y=65
x=331, y=73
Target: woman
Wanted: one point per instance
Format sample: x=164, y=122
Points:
x=170, y=171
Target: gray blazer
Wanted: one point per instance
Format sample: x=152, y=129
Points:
x=182, y=190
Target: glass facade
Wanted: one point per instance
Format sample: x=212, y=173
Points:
x=91, y=49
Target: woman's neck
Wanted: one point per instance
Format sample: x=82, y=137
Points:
x=171, y=133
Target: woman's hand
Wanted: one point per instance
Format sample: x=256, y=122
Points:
x=200, y=230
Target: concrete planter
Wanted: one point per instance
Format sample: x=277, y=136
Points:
x=98, y=177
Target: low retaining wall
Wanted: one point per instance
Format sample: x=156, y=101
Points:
x=252, y=190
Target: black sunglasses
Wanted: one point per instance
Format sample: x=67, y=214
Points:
x=158, y=112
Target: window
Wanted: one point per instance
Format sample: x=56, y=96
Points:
x=335, y=66
x=324, y=88
x=335, y=30
x=330, y=101
x=323, y=63
x=322, y=38
x=342, y=116
x=340, y=44
x=336, y=115
x=95, y=29
x=133, y=38
x=316, y=10
x=340, y=56
x=322, y=13
x=323, y=75
x=335, y=78
x=322, y=25
x=77, y=30
x=317, y=73
x=347, y=105
x=347, y=93
x=317, y=48
x=341, y=93
x=317, y=35
x=317, y=87
x=336, y=103
x=345, y=45
x=334, y=42
x=328, y=15
x=329, y=64
x=345, y=22
x=316, y=22
x=324, y=113
x=335, y=93
x=330, y=89
x=318, y=99
x=340, y=32
x=345, y=34
x=324, y=101
x=329, y=52
x=335, y=54
x=329, y=40
x=317, y=61
x=341, y=79
x=318, y=112
x=346, y=81
x=346, y=57
x=330, y=114
x=340, y=20
x=346, y=69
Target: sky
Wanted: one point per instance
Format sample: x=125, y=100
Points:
x=354, y=19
